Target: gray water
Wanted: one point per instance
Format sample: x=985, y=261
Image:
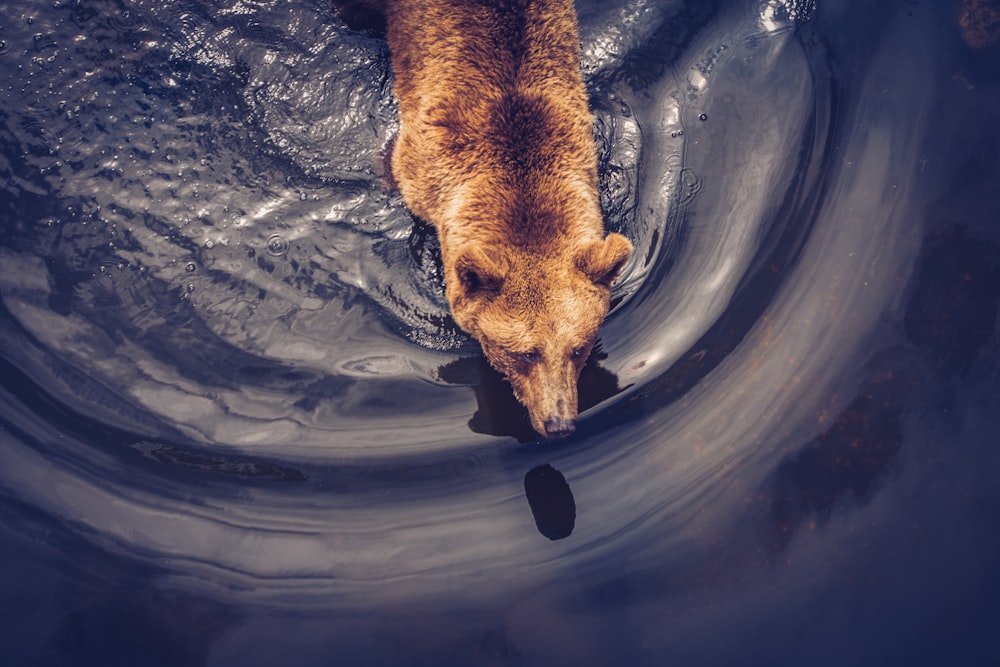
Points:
x=238, y=426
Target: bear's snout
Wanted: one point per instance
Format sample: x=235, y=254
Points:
x=559, y=420
x=559, y=427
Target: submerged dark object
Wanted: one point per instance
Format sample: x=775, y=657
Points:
x=551, y=501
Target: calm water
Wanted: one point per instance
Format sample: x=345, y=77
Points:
x=238, y=427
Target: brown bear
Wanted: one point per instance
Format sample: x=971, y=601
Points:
x=496, y=150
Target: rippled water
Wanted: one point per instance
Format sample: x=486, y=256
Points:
x=238, y=425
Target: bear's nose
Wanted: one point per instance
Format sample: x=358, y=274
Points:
x=559, y=427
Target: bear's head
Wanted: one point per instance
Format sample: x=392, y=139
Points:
x=536, y=316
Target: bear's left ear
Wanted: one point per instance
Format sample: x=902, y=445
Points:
x=602, y=261
x=478, y=273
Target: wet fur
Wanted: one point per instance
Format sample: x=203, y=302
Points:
x=496, y=150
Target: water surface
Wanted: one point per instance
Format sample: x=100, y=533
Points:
x=240, y=427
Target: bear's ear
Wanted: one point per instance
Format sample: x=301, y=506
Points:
x=601, y=261
x=478, y=273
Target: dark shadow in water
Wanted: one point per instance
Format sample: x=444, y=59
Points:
x=154, y=629
x=847, y=459
x=106, y=611
x=645, y=63
x=551, y=501
x=953, y=309
x=951, y=314
x=498, y=411
x=360, y=15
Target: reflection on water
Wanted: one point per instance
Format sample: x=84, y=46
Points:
x=240, y=427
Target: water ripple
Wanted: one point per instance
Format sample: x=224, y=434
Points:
x=227, y=357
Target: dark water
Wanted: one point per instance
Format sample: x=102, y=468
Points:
x=238, y=427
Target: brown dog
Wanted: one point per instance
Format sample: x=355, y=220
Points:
x=496, y=150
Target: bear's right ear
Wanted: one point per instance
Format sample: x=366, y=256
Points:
x=602, y=261
x=478, y=274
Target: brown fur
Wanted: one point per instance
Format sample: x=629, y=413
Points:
x=496, y=150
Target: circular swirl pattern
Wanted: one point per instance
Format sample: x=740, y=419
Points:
x=232, y=386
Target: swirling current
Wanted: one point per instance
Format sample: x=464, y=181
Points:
x=238, y=426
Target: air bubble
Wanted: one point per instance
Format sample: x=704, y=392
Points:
x=689, y=186
x=276, y=244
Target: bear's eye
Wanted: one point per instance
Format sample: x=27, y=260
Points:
x=530, y=358
x=579, y=352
